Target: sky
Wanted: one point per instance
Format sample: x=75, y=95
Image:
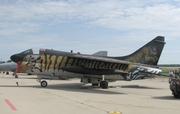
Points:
x=87, y=26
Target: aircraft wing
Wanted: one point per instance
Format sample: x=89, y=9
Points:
x=95, y=65
x=104, y=66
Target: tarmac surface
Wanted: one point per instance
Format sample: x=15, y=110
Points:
x=149, y=96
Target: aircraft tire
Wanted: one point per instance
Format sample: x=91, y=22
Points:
x=178, y=94
x=7, y=73
x=43, y=84
x=104, y=84
x=175, y=96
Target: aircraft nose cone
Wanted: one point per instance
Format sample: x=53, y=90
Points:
x=15, y=58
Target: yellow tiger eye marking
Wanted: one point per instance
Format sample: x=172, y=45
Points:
x=24, y=67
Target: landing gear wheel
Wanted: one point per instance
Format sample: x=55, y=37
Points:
x=16, y=76
x=43, y=84
x=178, y=94
x=104, y=84
x=175, y=96
x=7, y=73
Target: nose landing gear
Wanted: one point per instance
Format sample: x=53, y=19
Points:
x=44, y=83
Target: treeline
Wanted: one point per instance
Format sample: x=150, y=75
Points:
x=169, y=65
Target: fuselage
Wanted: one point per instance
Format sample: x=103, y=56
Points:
x=91, y=69
x=60, y=64
x=10, y=66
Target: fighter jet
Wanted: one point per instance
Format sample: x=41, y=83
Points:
x=8, y=66
x=98, y=70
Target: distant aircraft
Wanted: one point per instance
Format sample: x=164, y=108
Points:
x=98, y=70
x=8, y=66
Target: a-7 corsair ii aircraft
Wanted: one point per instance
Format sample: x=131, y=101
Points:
x=53, y=64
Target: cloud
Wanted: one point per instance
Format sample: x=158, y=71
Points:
x=122, y=15
x=92, y=24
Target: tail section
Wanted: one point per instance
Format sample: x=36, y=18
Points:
x=148, y=54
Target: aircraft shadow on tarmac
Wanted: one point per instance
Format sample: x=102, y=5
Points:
x=79, y=87
x=138, y=87
x=166, y=98
x=76, y=87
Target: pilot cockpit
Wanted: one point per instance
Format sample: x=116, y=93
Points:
x=19, y=56
x=33, y=51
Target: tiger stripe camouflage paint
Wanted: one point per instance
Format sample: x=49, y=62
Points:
x=54, y=62
x=45, y=62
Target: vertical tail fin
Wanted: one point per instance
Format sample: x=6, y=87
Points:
x=148, y=54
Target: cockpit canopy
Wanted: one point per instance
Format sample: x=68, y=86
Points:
x=33, y=51
x=19, y=56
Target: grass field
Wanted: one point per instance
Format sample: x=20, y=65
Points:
x=165, y=70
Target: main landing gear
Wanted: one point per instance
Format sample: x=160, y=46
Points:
x=104, y=84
